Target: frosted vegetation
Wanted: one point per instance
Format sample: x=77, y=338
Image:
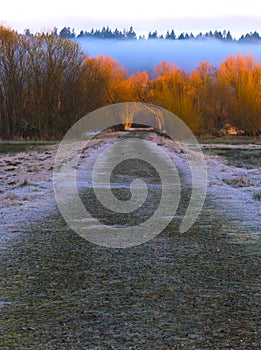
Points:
x=59, y=290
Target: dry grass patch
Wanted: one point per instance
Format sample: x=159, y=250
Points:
x=239, y=181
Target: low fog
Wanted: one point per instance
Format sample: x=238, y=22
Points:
x=142, y=55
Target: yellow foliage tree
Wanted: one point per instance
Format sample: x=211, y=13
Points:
x=243, y=75
x=171, y=89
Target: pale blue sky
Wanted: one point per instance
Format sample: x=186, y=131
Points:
x=196, y=16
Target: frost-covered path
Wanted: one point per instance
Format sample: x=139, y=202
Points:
x=198, y=290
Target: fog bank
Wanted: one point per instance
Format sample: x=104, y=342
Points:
x=142, y=55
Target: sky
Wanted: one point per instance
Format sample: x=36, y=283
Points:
x=190, y=16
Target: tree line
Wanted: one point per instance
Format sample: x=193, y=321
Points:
x=130, y=34
x=47, y=83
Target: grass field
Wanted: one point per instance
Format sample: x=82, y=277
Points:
x=13, y=147
x=242, y=158
x=232, y=140
x=196, y=290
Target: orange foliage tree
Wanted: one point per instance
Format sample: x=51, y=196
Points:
x=171, y=89
x=212, y=95
x=243, y=75
x=111, y=78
